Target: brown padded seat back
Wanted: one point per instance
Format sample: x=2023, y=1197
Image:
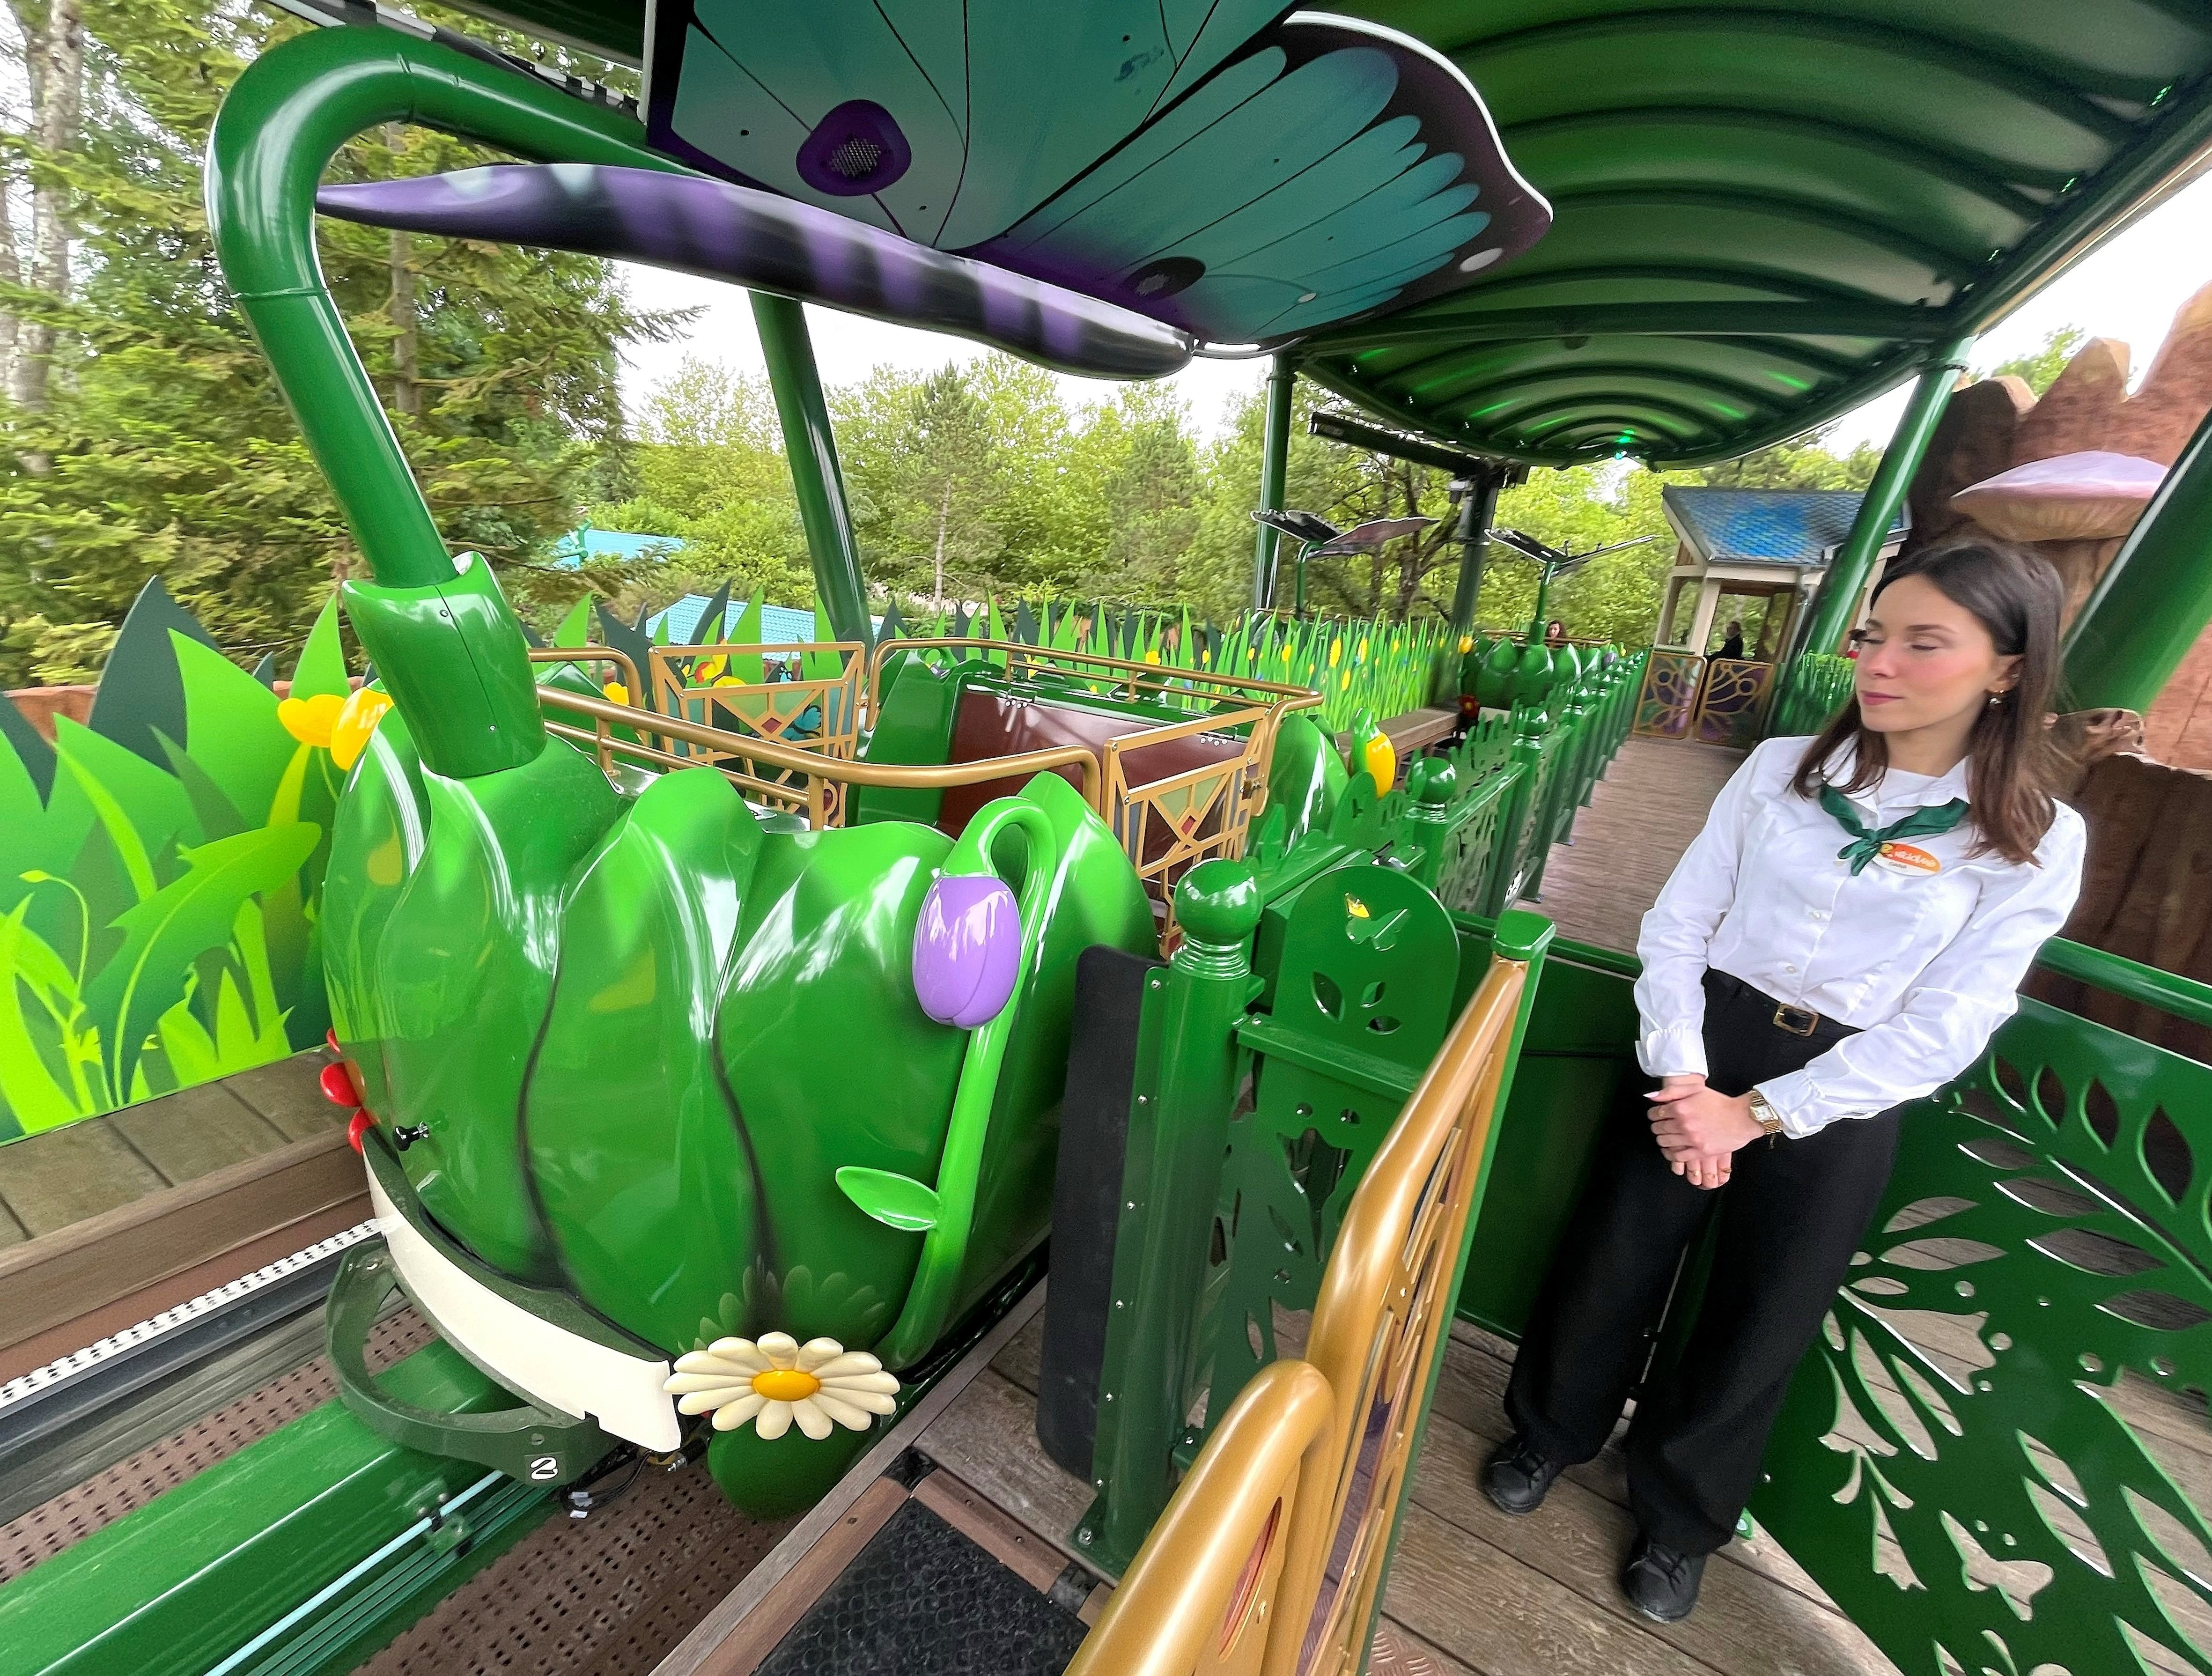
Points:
x=991, y=724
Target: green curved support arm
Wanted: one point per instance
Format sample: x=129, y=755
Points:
x=277, y=132
x=930, y=1299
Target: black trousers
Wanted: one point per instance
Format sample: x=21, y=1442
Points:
x=1791, y=1217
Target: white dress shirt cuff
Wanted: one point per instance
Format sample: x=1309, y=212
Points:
x=1798, y=1102
x=1676, y=1051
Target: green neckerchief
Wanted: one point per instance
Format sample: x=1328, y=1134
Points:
x=1865, y=846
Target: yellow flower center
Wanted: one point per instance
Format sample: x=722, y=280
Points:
x=785, y=1385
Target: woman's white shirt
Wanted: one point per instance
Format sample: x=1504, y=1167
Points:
x=1925, y=965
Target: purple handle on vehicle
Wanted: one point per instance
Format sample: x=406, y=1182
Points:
x=967, y=949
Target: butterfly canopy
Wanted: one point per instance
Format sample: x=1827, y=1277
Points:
x=1672, y=230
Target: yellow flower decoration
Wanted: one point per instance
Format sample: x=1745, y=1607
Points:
x=358, y=719
x=1151, y=657
x=1335, y=654
x=616, y=693
x=310, y=721
x=777, y=1381
x=1466, y=644
x=707, y=671
x=1379, y=758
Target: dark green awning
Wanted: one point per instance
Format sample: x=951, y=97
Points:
x=1766, y=212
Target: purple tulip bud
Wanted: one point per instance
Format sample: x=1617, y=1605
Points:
x=967, y=949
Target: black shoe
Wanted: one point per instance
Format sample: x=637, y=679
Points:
x=1661, y=1583
x=1519, y=1476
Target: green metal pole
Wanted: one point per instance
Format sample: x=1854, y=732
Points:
x=1186, y=1091
x=277, y=131
x=1543, y=593
x=1837, y=601
x=2153, y=599
x=1274, y=469
x=812, y=451
x=1476, y=509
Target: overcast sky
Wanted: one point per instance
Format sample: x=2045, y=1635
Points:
x=2128, y=290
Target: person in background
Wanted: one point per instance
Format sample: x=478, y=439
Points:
x=1732, y=645
x=1555, y=633
x=1840, y=940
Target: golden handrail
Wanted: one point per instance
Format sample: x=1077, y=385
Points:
x=1230, y=1578
x=588, y=655
x=921, y=776
x=1200, y=1588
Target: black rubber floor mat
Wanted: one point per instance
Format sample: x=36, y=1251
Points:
x=924, y=1600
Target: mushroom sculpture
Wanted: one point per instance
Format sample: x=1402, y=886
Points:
x=2075, y=508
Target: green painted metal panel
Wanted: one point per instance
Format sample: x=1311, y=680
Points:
x=182, y=1582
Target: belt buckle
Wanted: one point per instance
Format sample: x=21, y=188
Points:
x=1785, y=1019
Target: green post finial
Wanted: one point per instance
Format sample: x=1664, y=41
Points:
x=1218, y=906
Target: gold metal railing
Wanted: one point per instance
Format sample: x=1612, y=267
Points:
x=1270, y=1557
x=622, y=732
x=1166, y=824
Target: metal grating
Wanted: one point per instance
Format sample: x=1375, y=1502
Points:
x=105, y=1497
x=607, y=1595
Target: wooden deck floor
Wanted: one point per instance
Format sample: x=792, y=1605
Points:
x=1474, y=1591
x=1646, y=810
x=54, y=1180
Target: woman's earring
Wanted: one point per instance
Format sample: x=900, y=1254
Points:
x=1996, y=699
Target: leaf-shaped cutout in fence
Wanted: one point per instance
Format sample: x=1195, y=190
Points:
x=2050, y=1196
x=2017, y=1581
x=2051, y=1099
x=2092, y=1252
x=1998, y=1153
x=1921, y=1211
x=2168, y=1156
x=2065, y=1523
x=2160, y=1311
x=1933, y=1255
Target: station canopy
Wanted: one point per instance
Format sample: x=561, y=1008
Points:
x=1762, y=214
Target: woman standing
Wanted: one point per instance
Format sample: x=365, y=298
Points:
x=1842, y=939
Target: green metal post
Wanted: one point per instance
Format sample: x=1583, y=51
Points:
x=812, y=451
x=1274, y=469
x=277, y=131
x=1524, y=760
x=1543, y=593
x=1837, y=601
x=1186, y=1089
x=1476, y=508
x=2153, y=601
x=1430, y=820
x=1551, y=824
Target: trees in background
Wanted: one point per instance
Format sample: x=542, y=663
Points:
x=141, y=433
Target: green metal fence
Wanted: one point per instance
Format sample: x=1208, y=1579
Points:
x=1814, y=688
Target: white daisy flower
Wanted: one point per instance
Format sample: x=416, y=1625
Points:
x=777, y=1380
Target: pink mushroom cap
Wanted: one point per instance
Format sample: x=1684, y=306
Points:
x=2089, y=496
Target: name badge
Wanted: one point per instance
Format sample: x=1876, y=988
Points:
x=1908, y=858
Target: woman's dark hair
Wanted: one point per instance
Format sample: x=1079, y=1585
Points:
x=2011, y=762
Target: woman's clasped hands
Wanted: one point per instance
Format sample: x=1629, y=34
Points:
x=1699, y=1129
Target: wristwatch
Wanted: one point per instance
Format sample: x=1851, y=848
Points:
x=1766, y=1116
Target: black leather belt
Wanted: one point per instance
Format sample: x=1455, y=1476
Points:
x=1796, y=1021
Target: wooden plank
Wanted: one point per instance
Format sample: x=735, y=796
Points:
x=756, y=1635
x=90, y=1263
x=289, y=1094
x=1398, y=1652
x=12, y=1232
x=65, y=1175
x=1021, y=1550
x=988, y=1438
x=197, y=1131
x=1745, y=1625
x=1022, y=1361
x=1641, y=818
x=112, y=1316
x=1500, y=1617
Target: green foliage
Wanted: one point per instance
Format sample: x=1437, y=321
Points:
x=164, y=448
x=1807, y=462
x=159, y=921
x=2040, y=368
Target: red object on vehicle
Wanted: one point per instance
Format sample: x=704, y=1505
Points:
x=359, y=1126
x=331, y=1037
x=337, y=1086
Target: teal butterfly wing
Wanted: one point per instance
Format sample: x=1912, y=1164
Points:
x=942, y=122
x=1332, y=170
